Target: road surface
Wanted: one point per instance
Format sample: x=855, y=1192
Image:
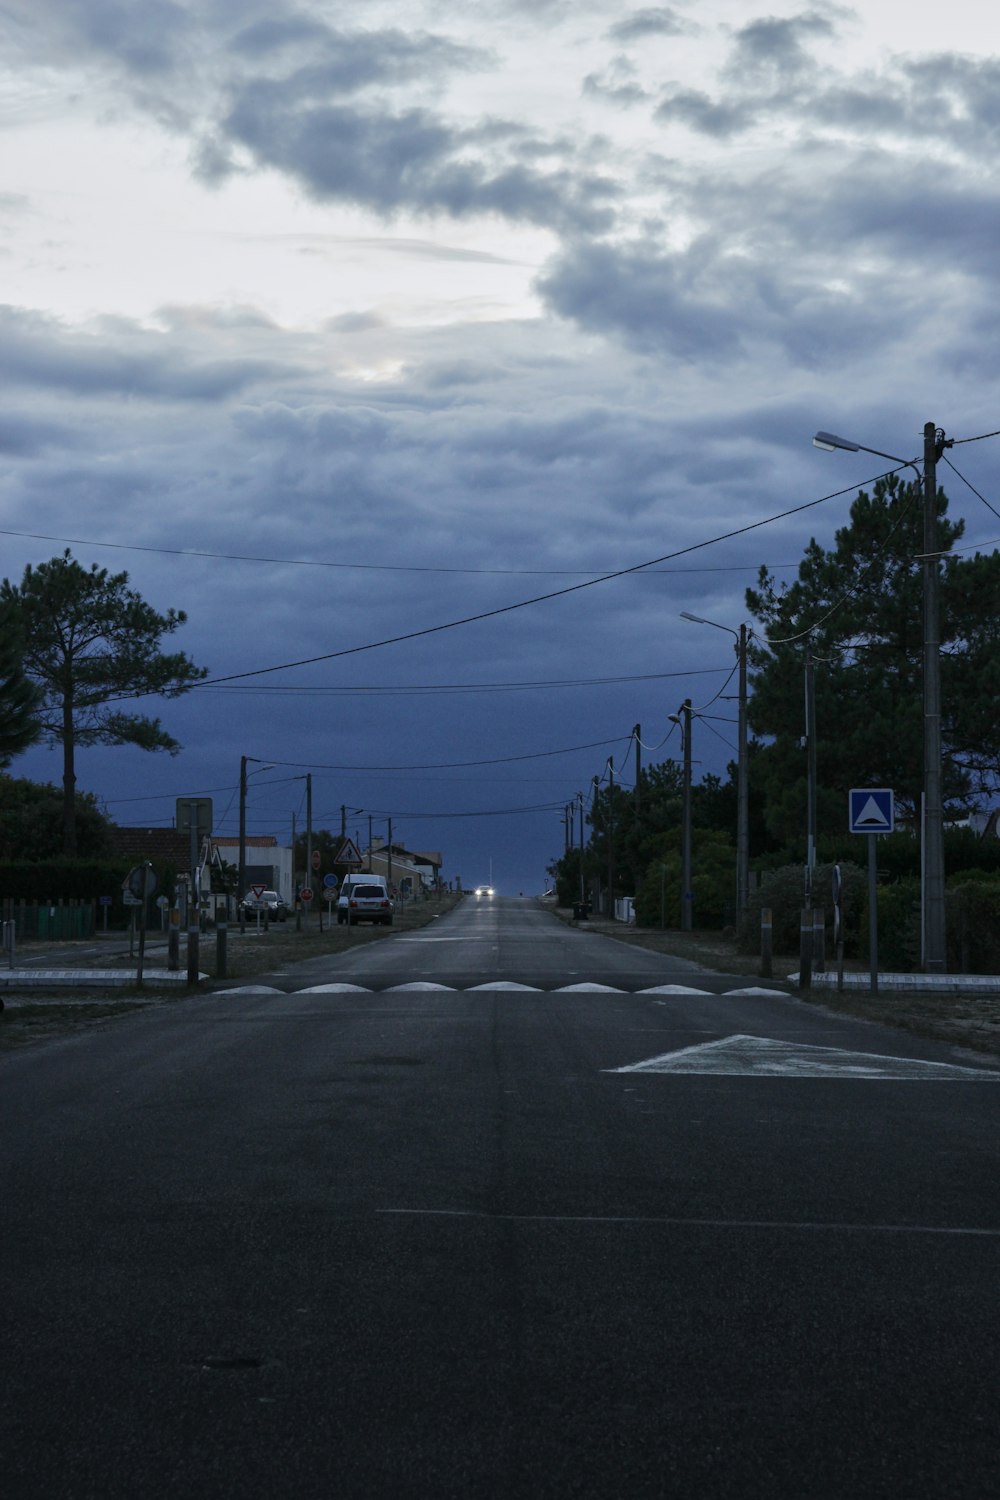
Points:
x=661, y=1238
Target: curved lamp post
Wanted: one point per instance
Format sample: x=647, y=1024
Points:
x=934, y=953
x=742, y=799
x=683, y=718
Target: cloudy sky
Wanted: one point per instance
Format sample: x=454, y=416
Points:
x=336, y=324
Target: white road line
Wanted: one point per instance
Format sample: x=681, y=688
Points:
x=809, y=1226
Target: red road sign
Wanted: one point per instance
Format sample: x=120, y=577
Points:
x=305, y=895
x=258, y=891
x=315, y=859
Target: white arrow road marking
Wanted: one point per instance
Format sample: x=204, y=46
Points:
x=762, y=1057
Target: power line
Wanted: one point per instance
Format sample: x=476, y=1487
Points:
x=506, y=609
x=467, y=687
x=359, y=567
x=972, y=487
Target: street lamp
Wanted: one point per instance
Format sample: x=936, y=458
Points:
x=244, y=759
x=683, y=718
x=935, y=957
x=742, y=798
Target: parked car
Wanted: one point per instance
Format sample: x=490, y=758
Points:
x=268, y=902
x=365, y=899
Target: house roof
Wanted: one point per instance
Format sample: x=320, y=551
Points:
x=431, y=858
x=153, y=843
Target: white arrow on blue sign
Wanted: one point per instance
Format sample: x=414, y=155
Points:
x=872, y=810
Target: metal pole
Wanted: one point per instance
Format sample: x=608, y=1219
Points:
x=241, y=879
x=810, y=776
x=872, y=916
x=637, y=736
x=309, y=832
x=935, y=945
x=611, y=836
x=742, y=794
x=583, y=893
x=687, y=895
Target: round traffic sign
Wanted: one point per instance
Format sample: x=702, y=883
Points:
x=305, y=895
x=330, y=881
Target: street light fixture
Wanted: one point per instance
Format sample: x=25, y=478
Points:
x=742, y=797
x=683, y=718
x=244, y=759
x=935, y=958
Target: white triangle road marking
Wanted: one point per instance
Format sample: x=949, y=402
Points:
x=504, y=984
x=673, y=989
x=765, y=1057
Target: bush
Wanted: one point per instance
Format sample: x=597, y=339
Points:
x=784, y=892
x=972, y=921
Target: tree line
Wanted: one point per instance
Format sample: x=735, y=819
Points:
x=855, y=612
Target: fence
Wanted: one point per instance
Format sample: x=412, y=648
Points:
x=54, y=920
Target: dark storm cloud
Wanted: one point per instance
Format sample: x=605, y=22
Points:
x=721, y=118
x=708, y=306
x=122, y=359
x=656, y=20
x=413, y=159
x=771, y=47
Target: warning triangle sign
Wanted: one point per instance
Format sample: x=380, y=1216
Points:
x=872, y=816
x=349, y=854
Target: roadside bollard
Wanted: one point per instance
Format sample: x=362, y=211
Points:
x=765, y=942
x=806, y=948
x=192, y=955
x=221, y=936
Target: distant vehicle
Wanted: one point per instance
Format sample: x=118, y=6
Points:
x=268, y=902
x=365, y=899
x=484, y=890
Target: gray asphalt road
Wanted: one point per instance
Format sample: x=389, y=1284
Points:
x=437, y=1242
x=488, y=940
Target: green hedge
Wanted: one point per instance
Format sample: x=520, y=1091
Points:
x=75, y=880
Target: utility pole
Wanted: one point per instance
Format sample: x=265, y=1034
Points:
x=687, y=895
x=611, y=834
x=637, y=736
x=935, y=951
x=309, y=829
x=389, y=855
x=593, y=813
x=242, y=877
x=742, y=788
x=583, y=894
x=810, y=749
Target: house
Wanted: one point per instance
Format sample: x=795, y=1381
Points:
x=396, y=864
x=267, y=862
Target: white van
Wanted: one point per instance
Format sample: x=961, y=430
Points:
x=365, y=898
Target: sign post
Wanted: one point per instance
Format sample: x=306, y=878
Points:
x=872, y=811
